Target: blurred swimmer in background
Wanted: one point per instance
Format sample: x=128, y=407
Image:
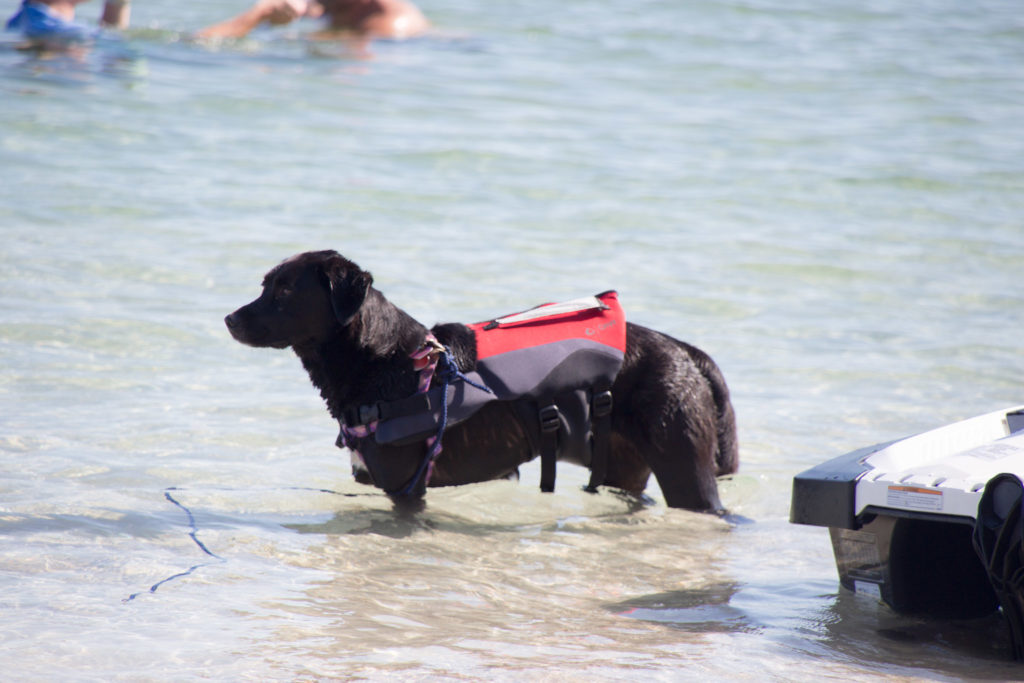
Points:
x=395, y=19
x=51, y=24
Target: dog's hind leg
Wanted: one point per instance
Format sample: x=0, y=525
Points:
x=627, y=468
x=682, y=457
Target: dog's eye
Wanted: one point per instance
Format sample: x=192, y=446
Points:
x=283, y=293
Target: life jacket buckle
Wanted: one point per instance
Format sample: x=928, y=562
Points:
x=549, y=419
x=369, y=413
x=601, y=404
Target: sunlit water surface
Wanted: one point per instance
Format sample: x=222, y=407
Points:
x=827, y=198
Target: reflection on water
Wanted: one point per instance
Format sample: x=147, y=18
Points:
x=391, y=523
x=76, y=66
x=473, y=593
x=701, y=609
x=862, y=629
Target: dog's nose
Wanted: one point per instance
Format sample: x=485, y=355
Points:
x=231, y=321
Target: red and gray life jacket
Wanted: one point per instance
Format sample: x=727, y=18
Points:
x=555, y=362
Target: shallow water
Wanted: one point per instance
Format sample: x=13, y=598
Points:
x=826, y=199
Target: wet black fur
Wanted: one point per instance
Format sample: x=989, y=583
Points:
x=672, y=415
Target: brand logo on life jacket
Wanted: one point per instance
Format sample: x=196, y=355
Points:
x=590, y=331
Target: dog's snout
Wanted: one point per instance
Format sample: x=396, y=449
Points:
x=238, y=328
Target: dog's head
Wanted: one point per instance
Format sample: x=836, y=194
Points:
x=304, y=301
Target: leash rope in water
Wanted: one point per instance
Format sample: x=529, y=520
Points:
x=194, y=533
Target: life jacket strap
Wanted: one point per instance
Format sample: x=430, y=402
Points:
x=550, y=422
x=386, y=410
x=601, y=436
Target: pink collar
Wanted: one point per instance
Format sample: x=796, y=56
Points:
x=424, y=361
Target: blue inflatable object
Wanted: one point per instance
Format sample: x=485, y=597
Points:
x=37, y=22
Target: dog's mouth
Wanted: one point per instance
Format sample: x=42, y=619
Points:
x=360, y=472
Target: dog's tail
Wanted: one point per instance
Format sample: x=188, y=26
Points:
x=728, y=456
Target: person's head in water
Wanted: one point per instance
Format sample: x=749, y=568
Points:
x=366, y=18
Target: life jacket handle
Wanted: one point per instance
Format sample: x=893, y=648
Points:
x=545, y=311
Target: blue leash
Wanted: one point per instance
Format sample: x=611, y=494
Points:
x=448, y=372
x=194, y=530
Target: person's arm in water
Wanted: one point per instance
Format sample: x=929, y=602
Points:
x=116, y=13
x=274, y=12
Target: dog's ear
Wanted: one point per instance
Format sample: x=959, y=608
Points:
x=348, y=285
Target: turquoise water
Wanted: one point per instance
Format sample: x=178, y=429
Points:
x=827, y=198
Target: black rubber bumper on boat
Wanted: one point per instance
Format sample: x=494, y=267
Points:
x=825, y=495
x=999, y=542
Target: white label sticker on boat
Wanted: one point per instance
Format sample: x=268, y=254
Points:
x=914, y=498
x=872, y=590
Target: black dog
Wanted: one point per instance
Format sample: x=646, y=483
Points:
x=672, y=414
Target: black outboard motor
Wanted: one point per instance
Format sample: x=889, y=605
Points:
x=999, y=542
